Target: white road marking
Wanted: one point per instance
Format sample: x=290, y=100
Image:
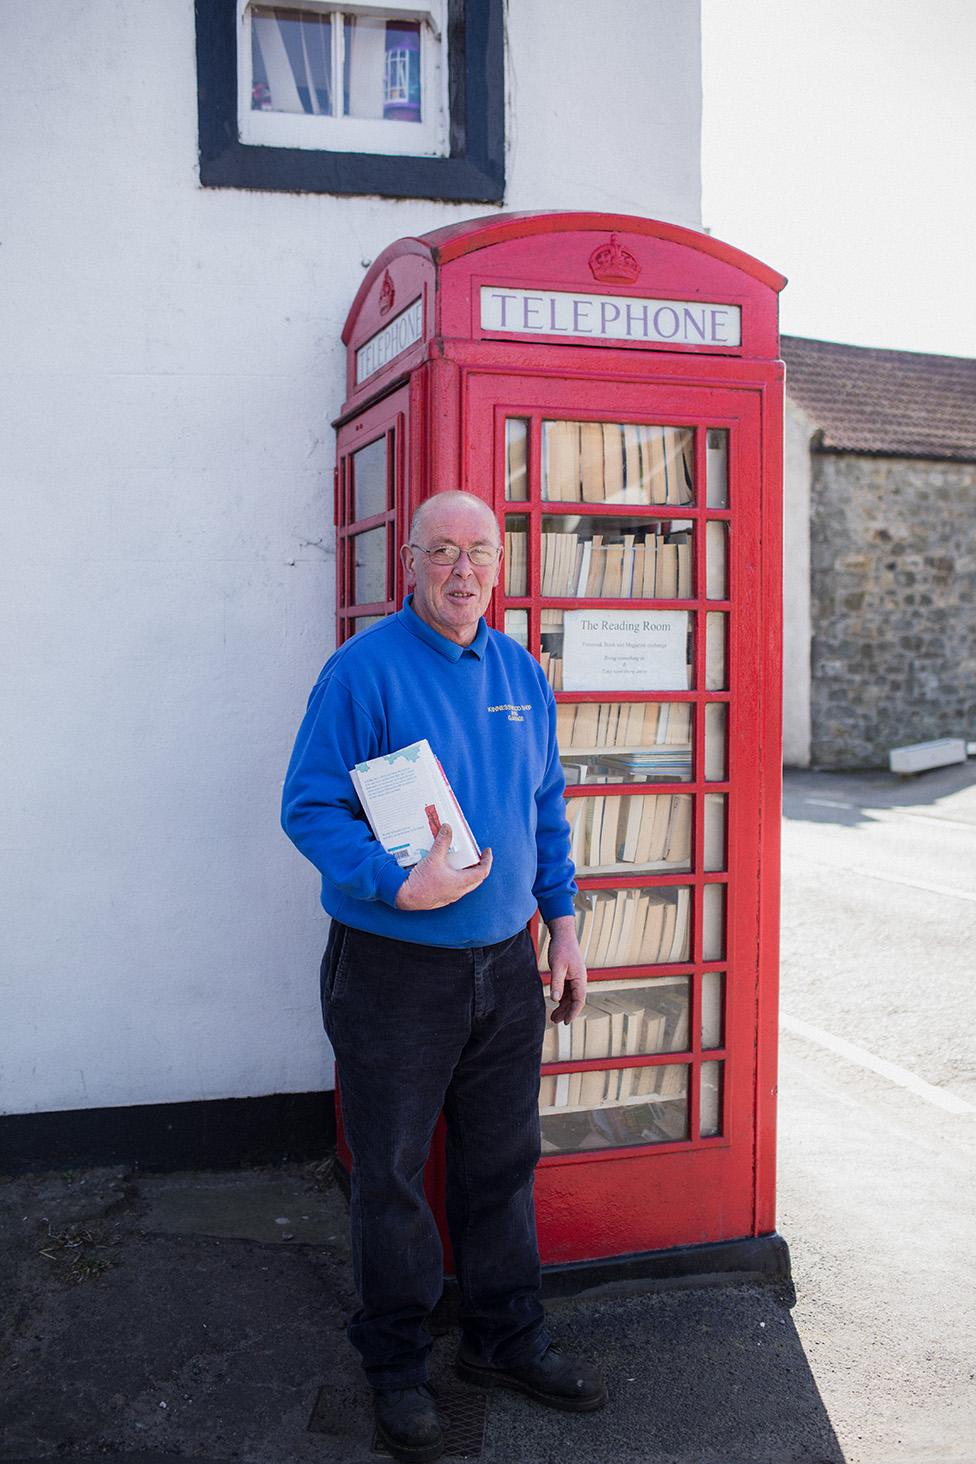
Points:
x=829, y=803
x=875, y=811
x=862, y=1058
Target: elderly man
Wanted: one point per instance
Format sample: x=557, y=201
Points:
x=430, y=988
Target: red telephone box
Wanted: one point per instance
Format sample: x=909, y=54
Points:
x=611, y=387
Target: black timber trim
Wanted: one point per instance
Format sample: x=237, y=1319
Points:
x=218, y=1134
x=474, y=172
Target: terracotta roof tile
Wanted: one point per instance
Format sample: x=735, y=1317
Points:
x=896, y=403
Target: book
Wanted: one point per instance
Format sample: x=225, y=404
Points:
x=562, y=467
x=591, y=462
x=516, y=470
x=613, y=462
x=406, y=797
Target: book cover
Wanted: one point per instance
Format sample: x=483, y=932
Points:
x=406, y=797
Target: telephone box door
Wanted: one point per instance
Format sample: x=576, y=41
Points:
x=633, y=531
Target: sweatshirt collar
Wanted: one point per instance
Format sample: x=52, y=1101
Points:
x=450, y=650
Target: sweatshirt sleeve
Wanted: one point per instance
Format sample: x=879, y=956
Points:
x=320, y=811
x=555, y=885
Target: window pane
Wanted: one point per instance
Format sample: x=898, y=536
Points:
x=516, y=459
x=516, y=555
x=617, y=462
x=664, y=661
x=710, y=1109
x=614, y=558
x=716, y=717
x=713, y=922
x=614, y=1108
x=291, y=58
x=634, y=927
x=623, y=1019
x=625, y=742
x=714, y=832
x=716, y=665
x=370, y=492
x=517, y=626
x=711, y=1013
x=717, y=587
x=717, y=467
x=369, y=567
x=381, y=71
x=622, y=833
x=363, y=622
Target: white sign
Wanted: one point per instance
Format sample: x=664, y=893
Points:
x=624, y=650
x=610, y=317
x=403, y=330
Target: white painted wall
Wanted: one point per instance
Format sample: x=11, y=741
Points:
x=797, y=624
x=172, y=362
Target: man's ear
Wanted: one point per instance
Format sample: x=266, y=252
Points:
x=407, y=560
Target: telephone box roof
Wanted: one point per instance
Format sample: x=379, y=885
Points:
x=441, y=246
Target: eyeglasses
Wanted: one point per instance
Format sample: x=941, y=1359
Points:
x=480, y=555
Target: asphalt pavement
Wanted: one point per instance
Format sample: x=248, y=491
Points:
x=199, y=1317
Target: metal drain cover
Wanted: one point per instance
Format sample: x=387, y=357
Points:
x=342, y=1413
x=464, y=1415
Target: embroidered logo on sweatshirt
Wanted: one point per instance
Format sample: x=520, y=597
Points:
x=513, y=709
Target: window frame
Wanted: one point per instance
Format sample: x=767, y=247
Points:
x=474, y=170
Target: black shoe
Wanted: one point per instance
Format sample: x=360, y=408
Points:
x=407, y=1422
x=554, y=1379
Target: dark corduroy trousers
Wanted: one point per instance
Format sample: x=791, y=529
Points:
x=417, y=1030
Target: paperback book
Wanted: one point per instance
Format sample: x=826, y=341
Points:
x=406, y=797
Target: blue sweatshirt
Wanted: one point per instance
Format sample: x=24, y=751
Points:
x=489, y=715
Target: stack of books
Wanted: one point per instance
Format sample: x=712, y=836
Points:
x=619, y=563
x=614, y=462
x=633, y=927
x=630, y=829
x=624, y=742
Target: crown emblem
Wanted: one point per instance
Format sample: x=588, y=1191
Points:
x=387, y=294
x=614, y=264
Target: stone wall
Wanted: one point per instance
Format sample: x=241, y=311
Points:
x=893, y=596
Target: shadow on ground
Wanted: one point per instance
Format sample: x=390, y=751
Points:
x=853, y=798
x=197, y=1318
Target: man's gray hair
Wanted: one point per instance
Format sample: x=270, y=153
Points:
x=452, y=495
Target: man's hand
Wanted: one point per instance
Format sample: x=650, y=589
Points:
x=433, y=883
x=568, y=984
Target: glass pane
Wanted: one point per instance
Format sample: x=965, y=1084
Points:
x=710, y=1109
x=616, y=558
x=363, y=622
x=370, y=493
x=716, y=667
x=717, y=467
x=369, y=566
x=617, y=462
x=716, y=717
x=713, y=922
x=517, y=626
x=291, y=59
x=625, y=742
x=618, y=650
x=711, y=1012
x=631, y=832
x=614, y=1108
x=516, y=459
x=717, y=579
x=634, y=927
x=623, y=1019
x=516, y=556
x=381, y=69
x=714, y=832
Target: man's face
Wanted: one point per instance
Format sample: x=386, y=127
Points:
x=451, y=598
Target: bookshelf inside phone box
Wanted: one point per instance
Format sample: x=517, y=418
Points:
x=611, y=387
